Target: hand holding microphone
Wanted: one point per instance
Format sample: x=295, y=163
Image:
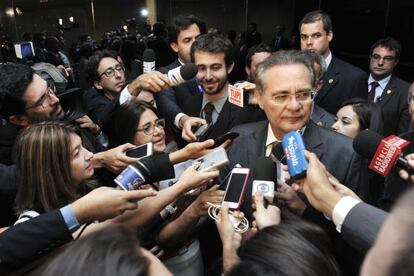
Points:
x=155, y=81
x=405, y=174
x=384, y=153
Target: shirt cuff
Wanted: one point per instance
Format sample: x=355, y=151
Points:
x=177, y=119
x=70, y=218
x=341, y=210
x=124, y=96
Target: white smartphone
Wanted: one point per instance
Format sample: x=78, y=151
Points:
x=213, y=160
x=236, y=187
x=140, y=151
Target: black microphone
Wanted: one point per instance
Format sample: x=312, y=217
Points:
x=148, y=61
x=368, y=143
x=182, y=73
x=264, y=177
x=149, y=169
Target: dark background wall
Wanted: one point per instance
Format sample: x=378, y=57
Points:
x=357, y=23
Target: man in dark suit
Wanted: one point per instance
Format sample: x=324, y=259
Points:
x=286, y=84
x=280, y=42
x=212, y=53
x=110, y=88
x=386, y=89
x=342, y=80
x=181, y=35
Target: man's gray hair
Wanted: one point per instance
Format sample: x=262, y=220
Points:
x=283, y=58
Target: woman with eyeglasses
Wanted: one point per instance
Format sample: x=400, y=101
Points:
x=136, y=122
x=54, y=169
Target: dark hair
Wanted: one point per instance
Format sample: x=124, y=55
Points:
x=390, y=44
x=283, y=57
x=213, y=43
x=260, y=48
x=294, y=247
x=181, y=23
x=111, y=251
x=14, y=80
x=368, y=113
x=120, y=125
x=317, y=15
x=128, y=52
x=93, y=64
x=159, y=29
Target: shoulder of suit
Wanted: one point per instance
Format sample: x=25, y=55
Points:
x=249, y=128
x=335, y=137
x=400, y=82
x=350, y=68
x=169, y=67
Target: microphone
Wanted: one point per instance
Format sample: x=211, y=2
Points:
x=149, y=169
x=294, y=149
x=148, y=61
x=182, y=73
x=384, y=153
x=264, y=176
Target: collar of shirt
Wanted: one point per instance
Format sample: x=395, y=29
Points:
x=218, y=105
x=270, y=140
x=181, y=63
x=382, y=83
x=328, y=59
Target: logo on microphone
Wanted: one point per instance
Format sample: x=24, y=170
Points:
x=387, y=153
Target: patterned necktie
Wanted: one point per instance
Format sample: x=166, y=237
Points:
x=371, y=93
x=208, y=112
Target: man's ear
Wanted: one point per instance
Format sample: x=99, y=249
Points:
x=20, y=120
x=259, y=99
x=174, y=46
x=230, y=68
x=330, y=36
x=97, y=85
x=247, y=69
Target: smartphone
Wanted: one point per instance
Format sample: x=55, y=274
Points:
x=236, y=187
x=201, y=130
x=223, y=138
x=213, y=160
x=24, y=49
x=140, y=151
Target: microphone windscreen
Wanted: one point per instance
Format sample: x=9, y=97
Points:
x=148, y=55
x=366, y=143
x=188, y=71
x=264, y=169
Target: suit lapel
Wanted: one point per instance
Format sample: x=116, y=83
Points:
x=389, y=91
x=329, y=81
x=257, y=147
x=193, y=105
x=313, y=140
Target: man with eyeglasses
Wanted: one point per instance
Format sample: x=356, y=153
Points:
x=286, y=83
x=25, y=98
x=386, y=89
x=107, y=74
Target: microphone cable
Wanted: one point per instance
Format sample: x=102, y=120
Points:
x=240, y=225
